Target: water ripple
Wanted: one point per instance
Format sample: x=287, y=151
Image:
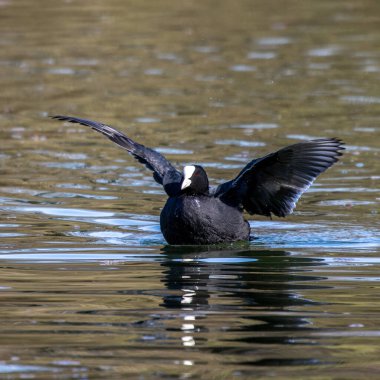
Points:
x=356, y=99
x=274, y=41
x=242, y=143
x=261, y=55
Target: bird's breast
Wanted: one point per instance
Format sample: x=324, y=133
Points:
x=201, y=220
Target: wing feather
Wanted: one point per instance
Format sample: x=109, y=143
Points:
x=274, y=183
x=163, y=171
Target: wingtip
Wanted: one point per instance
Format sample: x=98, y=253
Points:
x=339, y=141
x=335, y=143
x=340, y=146
x=72, y=119
x=60, y=117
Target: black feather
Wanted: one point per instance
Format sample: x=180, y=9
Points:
x=194, y=214
x=274, y=183
x=153, y=160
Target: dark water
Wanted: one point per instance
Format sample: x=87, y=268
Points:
x=88, y=287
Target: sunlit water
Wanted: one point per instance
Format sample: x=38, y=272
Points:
x=89, y=289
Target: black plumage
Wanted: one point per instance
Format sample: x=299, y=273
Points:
x=197, y=214
x=164, y=172
x=274, y=183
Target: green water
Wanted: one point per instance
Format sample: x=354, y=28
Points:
x=89, y=289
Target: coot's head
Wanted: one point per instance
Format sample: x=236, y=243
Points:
x=195, y=180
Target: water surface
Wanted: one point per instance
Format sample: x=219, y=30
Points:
x=89, y=287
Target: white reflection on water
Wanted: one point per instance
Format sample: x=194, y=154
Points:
x=243, y=68
x=256, y=126
x=57, y=255
x=261, y=55
x=68, y=212
x=326, y=51
x=242, y=143
x=360, y=99
x=14, y=368
x=273, y=41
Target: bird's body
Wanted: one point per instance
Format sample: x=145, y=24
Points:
x=202, y=219
x=196, y=214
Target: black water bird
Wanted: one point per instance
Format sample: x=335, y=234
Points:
x=196, y=214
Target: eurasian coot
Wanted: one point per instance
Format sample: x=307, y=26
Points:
x=197, y=214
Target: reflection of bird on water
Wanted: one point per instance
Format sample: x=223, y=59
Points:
x=247, y=274
x=263, y=289
x=196, y=214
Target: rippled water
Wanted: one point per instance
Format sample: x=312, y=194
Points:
x=88, y=287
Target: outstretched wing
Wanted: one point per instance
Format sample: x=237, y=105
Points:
x=274, y=183
x=163, y=171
